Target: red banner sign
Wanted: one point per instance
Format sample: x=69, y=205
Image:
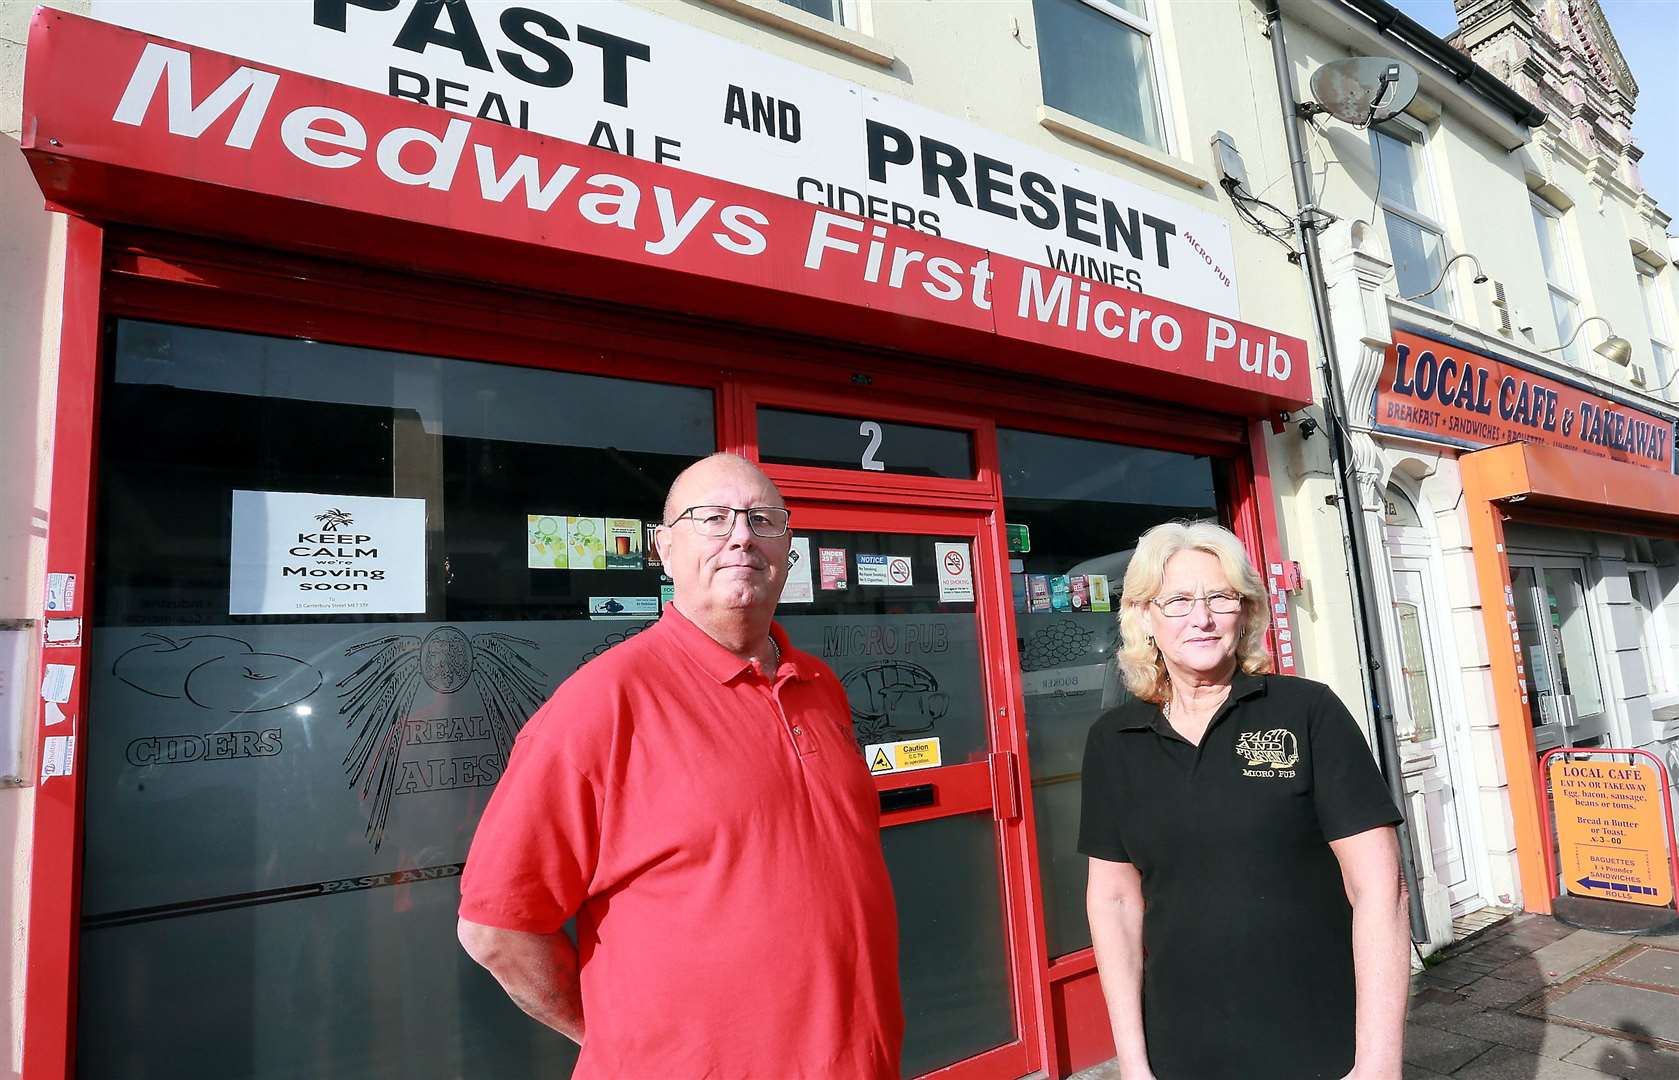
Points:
x=1445, y=392
x=119, y=124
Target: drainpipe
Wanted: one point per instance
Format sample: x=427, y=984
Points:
x=1355, y=540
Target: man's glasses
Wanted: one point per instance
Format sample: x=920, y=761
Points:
x=715, y=521
x=1176, y=607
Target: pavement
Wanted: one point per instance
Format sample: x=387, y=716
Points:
x=1528, y=998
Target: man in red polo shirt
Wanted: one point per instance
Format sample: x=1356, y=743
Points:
x=694, y=797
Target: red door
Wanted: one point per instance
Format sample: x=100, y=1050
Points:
x=896, y=586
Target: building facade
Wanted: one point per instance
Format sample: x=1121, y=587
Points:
x=1523, y=526
x=381, y=329
x=363, y=339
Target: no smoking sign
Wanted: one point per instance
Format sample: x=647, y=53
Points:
x=956, y=573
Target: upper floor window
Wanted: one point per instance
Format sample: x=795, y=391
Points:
x=835, y=11
x=1098, y=61
x=1559, y=279
x=1661, y=341
x=1415, y=236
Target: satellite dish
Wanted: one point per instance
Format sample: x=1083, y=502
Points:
x=1362, y=90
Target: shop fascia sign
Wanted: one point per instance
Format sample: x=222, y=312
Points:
x=622, y=78
x=1447, y=392
x=165, y=115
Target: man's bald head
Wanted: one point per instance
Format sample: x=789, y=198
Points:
x=704, y=472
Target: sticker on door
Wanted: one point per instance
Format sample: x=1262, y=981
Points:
x=906, y=755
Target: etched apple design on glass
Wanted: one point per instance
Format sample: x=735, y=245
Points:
x=216, y=672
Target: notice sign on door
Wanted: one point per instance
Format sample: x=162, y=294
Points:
x=956, y=573
x=1611, y=837
x=906, y=755
x=300, y=553
x=884, y=570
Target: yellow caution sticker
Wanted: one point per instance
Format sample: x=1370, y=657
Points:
x=906, y=755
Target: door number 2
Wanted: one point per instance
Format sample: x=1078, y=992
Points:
x=872, y=430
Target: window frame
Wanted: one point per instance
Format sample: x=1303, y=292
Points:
x=1415, y=137
x=1662, y=356
x=1575, y=354
x=1148, y=26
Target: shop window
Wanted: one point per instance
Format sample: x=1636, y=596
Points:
x=1659, y=379
x=1559, y=279
x=283, y=781
x=1075, y=508
x=1416, y=238
x=1099, y=61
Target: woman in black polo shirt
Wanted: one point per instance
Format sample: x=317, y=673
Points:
x=1244, y=900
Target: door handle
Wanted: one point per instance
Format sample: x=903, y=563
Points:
x=1005, y=785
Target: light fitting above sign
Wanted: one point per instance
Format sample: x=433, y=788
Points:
x=622, y=78
x=1445, y=392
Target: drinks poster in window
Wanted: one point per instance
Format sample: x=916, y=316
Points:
x=586, y=543
x=545, y=542
x=623, y=544
x=833, y=566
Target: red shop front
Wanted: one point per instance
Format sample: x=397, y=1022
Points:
x=298, y=310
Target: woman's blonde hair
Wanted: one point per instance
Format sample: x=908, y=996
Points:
x=1140, y=662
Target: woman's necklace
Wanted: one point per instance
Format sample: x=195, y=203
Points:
x=775, y=654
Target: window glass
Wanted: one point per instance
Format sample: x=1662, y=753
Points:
x=788, y=437
x=871, y=606
x=1075, y=508
x=1414, y=659
x=822, y=9
x=1652, y=304
x=1415, y=239
x=286, y=795
x=1664, y=372
x=1550, y=247
x=1418, y=261
x=1567, y=315
x=1660, y=350
x=1401, y=171
x=1098, y=66
x=1399, y=511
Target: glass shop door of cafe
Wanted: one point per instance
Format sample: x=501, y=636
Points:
x=899, y=602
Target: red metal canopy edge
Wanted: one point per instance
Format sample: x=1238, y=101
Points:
x=122, y=126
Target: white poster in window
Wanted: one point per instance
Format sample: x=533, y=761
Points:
x=799, y=588
x=956, y=573
x=300, y=553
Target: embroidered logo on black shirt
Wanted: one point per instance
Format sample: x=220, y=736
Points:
x=1268, y=753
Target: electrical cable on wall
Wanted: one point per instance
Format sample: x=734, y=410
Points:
x=1247, y=207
